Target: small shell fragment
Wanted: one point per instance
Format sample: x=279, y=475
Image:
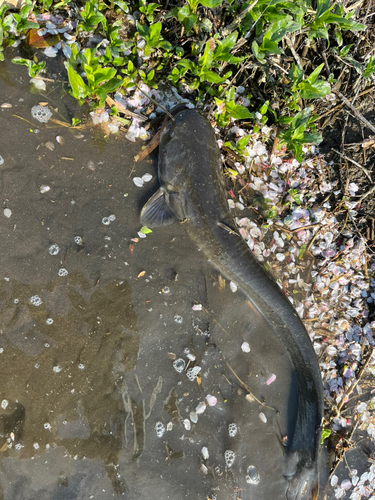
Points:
x=205, y=453
x=203, y=469
x=193, y=417
x=60, y=140
x=201, y=408
x=233, y=286
x=187, y=424
x=146, y=177
x=7, y=212
x=262, y=417
x=6, y=105
x=197, y=307
x=44, y=188
x=138, y=181
x=211, y=400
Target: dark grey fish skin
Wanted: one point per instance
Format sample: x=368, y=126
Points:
x=193, y=192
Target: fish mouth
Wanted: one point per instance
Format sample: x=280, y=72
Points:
x=179, y=107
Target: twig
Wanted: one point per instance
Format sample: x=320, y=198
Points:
x=232, y=26
x=313, y=238
x=370, y=191
x=293, y=51
x=354, y=109
x=153, y=144
x=124, y=111
x=245, y=386
x=355, y=163
x=155, y=102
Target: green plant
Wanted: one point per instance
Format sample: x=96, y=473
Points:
x=148, y=9
x=187, y=14
x=334, y=14
x=100, y=80
x=227, y=109
x=34, y=68
x=305, y=88
x=297, y=134
x=91, y=17
x=154, y=40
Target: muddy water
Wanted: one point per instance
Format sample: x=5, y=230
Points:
x=91, y=404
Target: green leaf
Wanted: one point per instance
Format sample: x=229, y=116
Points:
x=189, y=22
x=104, y=74
x=210, y=76
x=163, y=44
x=302, y=250
x=319, y=89
x=22, y=62
x=205, y=60
x=211, y=4
x=229, y=42
x=325, y=434
x=185, y=65
x=79, y=88
x=111, y=85
x=314, y=75
x=257, y=53
x=123, y=5
x=344, y=51
x=243, y=142
x=145, y=230
x=317, y=33
x=237, y=111
x=322, y=7
x=183, y=13
x=314, y=137
x=232, y=172
x=154, y=33
x=282, y=28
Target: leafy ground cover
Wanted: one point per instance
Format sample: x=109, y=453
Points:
x=276, y=78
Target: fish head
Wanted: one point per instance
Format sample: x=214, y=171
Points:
x=188, y=156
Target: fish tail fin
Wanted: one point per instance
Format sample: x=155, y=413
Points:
x=303, y=486
x=303, y=481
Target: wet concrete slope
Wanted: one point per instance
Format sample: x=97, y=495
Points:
x=111, y=384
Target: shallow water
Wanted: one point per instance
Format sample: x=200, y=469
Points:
x=87, y=376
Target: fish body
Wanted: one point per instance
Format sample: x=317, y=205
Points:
x=192, y=191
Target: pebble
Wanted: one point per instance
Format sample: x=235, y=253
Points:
x=7, y=212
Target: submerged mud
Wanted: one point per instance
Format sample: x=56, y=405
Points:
x=94, y=323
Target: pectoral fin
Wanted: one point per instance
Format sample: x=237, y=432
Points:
x=156, y=211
